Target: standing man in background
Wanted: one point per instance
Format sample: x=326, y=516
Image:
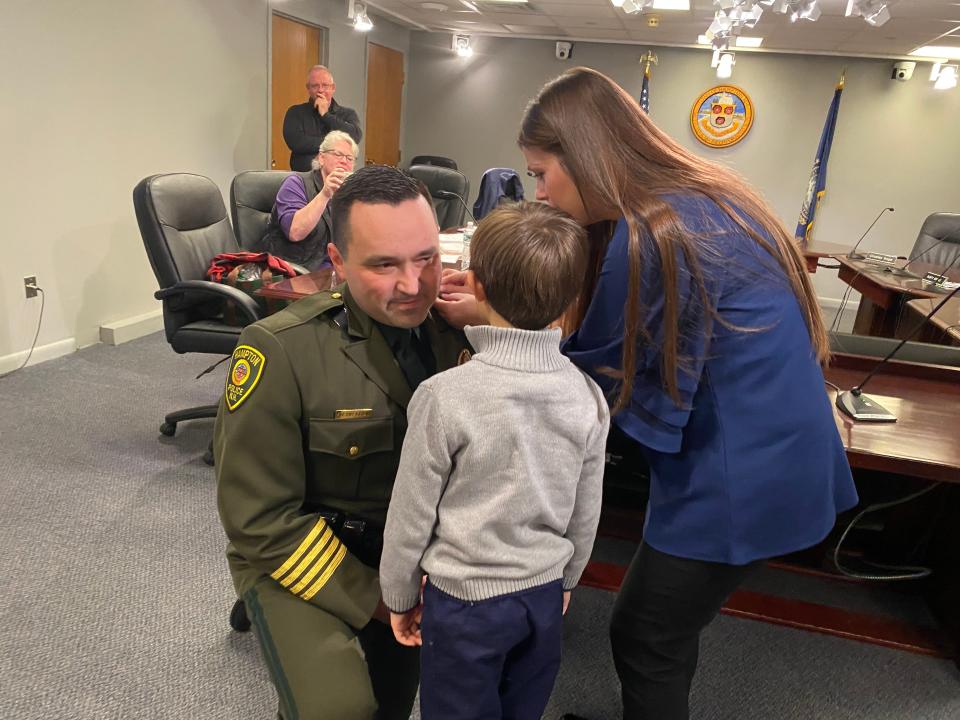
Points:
x=306, y=125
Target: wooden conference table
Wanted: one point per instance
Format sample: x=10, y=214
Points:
x=925, y=398
x=884, y=293
x=944, y=327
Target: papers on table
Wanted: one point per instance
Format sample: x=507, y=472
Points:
x=451, y=247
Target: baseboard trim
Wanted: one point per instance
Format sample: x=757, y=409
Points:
x=829, y=308
x=121, y=331
x=41, y=353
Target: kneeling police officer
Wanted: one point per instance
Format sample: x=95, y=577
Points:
x=307, y=444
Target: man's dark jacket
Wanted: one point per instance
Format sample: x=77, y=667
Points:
x=304, y=129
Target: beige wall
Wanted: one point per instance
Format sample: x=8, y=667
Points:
x=895, y=144
x=99, y=94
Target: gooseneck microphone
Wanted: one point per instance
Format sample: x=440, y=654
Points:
x=862, y=407
x=853, y=254
x=450, y=195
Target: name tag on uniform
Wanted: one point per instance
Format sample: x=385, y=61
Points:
x=353, y=414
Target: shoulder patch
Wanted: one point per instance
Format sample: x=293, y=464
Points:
x=246, y=367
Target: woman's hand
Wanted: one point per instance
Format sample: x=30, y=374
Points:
x=333, y=181
x=454, y=282
x=456, y=303
x=459, y=309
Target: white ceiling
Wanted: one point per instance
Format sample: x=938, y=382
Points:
x=914, y=23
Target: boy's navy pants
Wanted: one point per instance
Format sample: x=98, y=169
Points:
x=491, y=659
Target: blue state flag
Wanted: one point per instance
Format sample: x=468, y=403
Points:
x=645, y=90
x=818, y=178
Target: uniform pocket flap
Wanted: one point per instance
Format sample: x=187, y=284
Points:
x=351, y=439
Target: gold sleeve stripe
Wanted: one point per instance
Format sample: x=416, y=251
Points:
x=322, y=580
x=293, y=576
x=307, y=542
x=317, y=567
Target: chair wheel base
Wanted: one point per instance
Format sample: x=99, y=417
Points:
x=238, y=617
x=168, y=429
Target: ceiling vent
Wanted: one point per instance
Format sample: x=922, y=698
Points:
x=514, y=8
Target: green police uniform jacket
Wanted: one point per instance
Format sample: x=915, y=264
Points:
x=313, y=416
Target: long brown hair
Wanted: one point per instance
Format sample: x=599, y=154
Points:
x=623, y=165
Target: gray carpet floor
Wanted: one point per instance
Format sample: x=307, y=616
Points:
x=115, y=593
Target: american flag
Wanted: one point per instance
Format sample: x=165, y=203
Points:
x=645, y=91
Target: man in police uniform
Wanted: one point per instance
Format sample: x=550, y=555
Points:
x=307, y=445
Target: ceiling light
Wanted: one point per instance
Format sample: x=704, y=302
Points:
x=617, y=3
x=750, y=42
x=461, y=43
x=357, y=12
x=938, y=51
x=703, y=40
x=875, y=12
x=632, y=7
x=671, y=4
x=947, y=78
x=725, y=65
x=362, y=23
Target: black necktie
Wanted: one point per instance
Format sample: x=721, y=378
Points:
x=409, y=360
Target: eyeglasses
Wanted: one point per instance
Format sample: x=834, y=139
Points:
x=339, y=155
x=322, y=86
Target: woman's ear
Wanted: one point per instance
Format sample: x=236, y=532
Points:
x=476, y=287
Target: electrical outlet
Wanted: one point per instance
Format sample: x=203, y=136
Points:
x=30, y=286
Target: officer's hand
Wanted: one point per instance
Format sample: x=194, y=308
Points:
x=406, y=626
x=566, y=601
x=381, y=612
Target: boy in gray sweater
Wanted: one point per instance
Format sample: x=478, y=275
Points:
x=497, y=497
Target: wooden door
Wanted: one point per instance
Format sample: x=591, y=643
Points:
x=295, y=49
x=384, y=99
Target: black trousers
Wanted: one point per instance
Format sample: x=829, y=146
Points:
x=663, y=605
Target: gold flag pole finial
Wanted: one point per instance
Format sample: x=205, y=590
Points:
x=648, y=58
x=843, y=79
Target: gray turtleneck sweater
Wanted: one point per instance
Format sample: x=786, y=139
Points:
x=500, y=478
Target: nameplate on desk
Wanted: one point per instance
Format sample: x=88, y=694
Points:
x=941, y=281
x=880, y=258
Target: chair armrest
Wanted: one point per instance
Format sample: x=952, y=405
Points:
x=299, y=269
x=246, y=304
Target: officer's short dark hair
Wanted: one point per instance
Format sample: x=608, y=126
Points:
x=372, y=184
x=530, y=259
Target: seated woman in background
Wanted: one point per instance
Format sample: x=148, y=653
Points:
x=300, y=225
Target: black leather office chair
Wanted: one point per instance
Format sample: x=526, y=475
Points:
x=450, y=211
x=939, y=240
x=183, y=223
x=437, y=160
x=252, y=195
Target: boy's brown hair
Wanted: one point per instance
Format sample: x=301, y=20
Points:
x=530, y=259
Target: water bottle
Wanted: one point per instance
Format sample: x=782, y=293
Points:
x=465, y=253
